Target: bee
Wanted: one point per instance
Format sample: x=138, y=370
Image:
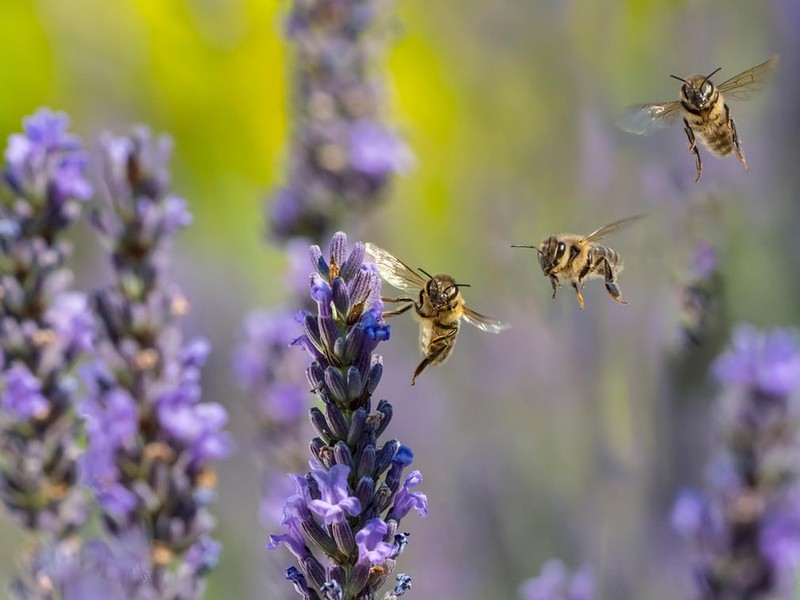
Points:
x=705, y=114
x=575, y=258
x=438, y=304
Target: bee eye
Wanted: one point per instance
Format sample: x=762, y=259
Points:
x=706, y=89
x=560, y=249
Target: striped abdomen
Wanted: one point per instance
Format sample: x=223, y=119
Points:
x=436, y=341
x=612, y=258
x=711, y=126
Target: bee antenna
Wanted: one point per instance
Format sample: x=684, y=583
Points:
x=424, y=272
x=521, y=246
x=462, y=285
x=679, y=78
x=714, y=72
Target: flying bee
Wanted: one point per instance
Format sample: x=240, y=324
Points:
x=438, y=303
x=705, y=114
x=575, y=258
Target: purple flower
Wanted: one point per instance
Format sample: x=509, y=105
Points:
x=70, y=318
x=689, y=514
x=352, y=499
x=746, y=527
x=335, y=501
x=197, y=427
x=341, y=156
x=117, y=500
x=405, y=499
x=176, y=214
x=46, y=160
x=22, y=396
x=270, y=372
x=44, y=330
x=151, y=438
x=371, y=547
x=203, y=556
x=376, y=151
x=766, y=362
x=293, y=538
x=112, y=422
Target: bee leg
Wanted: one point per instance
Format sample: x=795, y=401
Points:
x=396, y=300
x=578, y=292
x=693, y=149
x=433, y=356
x=554, y=283
x=420, y=368
x=586, y=270
x=737, y=143
x=399, y=311
x=611, y=284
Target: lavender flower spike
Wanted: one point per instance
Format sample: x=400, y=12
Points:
x=44, y=331
x=342, y=156
x=745, y=529
x=343, y=520
x=151, y=441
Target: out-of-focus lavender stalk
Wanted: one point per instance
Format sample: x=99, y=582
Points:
x=745, y=530
x=44, y=330
x=349, y=506
x=150, y=439
x=342, y=155
x=273, y=375
x=699, y=297
x=555, y=582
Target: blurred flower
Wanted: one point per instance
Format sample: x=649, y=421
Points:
x=699, y=296
x=44, y=330
x=348, y=507
x=22, y=398
x=45, y=166
x=556, y=583
x=376, y=151
x=341, y=157
x=150, y=438
x=745, y=530
x=765, y=362
x=271, y=374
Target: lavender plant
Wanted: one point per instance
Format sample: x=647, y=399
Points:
x=273, y=375
x=44, y=330
x=150, y=439
x=555, y=582
x=342, y=155
x=745, y=530
x=350, y=504
x=699, y=296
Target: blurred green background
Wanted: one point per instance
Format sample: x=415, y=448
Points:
x=566, y=436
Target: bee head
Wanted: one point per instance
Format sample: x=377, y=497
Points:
x=697, y=90
x=442, y=290
x=551, y=252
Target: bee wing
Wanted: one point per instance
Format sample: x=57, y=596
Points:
x=642, y=119
x=746, y=84
x=611, y=228
x=395, y=271
x=483, y=323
